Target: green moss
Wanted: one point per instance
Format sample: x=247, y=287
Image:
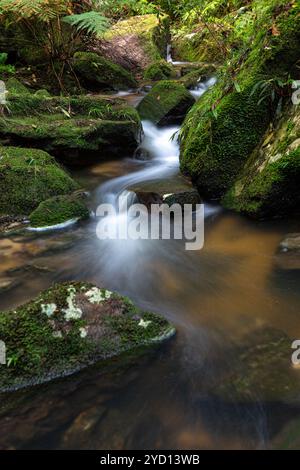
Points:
x=57, y=210
x=260, y=370
x=90, y=126
x=33, y=55
x=68, y=327
x=268, y=191
x=28, y=177
x=14, y=86
x=159, y=70
x=42, y=93
x=167, y=102
x=98, y=72
x=215, y=148
x=226, y=126
x=152, y=36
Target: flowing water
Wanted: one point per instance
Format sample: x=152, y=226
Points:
x=215, y=296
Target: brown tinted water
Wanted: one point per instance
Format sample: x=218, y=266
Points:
x=160, y=398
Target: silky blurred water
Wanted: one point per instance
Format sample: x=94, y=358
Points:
x=162, y=398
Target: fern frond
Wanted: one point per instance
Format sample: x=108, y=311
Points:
x=42, y=10
x=91, y=22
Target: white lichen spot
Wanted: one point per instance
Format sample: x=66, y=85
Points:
x=83, y=332
x=57, y=334
x=144, y=323
x=48, y=309
x=96, y=295
x=72, y=312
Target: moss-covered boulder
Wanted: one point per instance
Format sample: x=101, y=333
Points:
x=96, y=72
x=204, y=41
x=58, y=210
x=226, y=126
x=67, y=328
x=16, y=87
x=260, y=370
x=159, y=70
x=28, y=177
x=136, y=42
x=167, y=103
x=269, y=183
x=78, y=130
x=214, y=147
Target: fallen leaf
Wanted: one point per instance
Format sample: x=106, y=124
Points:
x=275, y=30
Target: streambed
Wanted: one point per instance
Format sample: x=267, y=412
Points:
x=215, y=297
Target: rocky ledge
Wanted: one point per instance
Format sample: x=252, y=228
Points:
x=78, y=130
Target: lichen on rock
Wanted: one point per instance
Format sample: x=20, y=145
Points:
x=70, y=326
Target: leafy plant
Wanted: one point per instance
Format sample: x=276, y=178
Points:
x=53, y=27
x=3, y=58
x=90, y=22
x=272, y=89
x=5, y=68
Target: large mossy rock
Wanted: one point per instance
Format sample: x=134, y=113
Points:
x=167, y=103
x=98, y=73
x=28, y=177
x=202, y=43
x=78, y=130
x=227, y=125
x=58, y=210
x=269, y=183
x=67, y=328
x=159, y=70
x=136, y=42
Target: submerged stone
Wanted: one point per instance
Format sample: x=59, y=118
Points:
x=261, y=369
x=288, y=255
x=69, y=327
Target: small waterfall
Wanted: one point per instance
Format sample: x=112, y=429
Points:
x=162, y=146
x=202, y=87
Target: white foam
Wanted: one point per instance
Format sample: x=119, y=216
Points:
x=61, y=226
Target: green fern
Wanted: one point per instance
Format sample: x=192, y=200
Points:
x=90, y=22
x=43, y=10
